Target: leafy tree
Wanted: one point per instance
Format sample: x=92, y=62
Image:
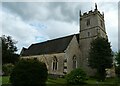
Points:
x=29, y=72
x=118, y=64
x=100, y=56
x=7, y=69
x=8, y=50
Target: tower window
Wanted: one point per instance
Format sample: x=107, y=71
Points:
x=88, y=34
x=88, y=22
x=55, y=63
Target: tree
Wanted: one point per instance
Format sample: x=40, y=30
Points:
x=100, y=56
x=117, y=68
x=29, y=72
x=8, y=50
x=7, y=69
x=118, y=58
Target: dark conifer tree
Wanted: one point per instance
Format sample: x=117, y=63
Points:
x=100, y=56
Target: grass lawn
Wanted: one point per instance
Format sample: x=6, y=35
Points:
x=0, y=78
x=61, y=81
x=5, y=80
x=109, y=81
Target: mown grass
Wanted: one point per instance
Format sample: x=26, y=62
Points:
x=62, y=81
x=108, y=81
x=0, y=80
x=5, y=80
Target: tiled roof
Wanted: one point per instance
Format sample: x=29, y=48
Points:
x=48, y=47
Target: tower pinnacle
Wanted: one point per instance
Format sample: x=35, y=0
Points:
x=80, y=12
x=95, y=6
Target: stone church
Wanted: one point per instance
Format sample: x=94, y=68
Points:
x=64, y=54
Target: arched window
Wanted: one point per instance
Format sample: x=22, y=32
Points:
x=54, y=63
x=74, y=62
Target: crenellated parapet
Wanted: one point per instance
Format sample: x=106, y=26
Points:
x=91, y=12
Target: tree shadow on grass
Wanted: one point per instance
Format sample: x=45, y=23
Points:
x=6, y=85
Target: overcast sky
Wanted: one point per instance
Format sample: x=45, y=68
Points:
x=32, y=22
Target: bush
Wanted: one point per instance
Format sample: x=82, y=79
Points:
x=77, y=76
x=117, y=71
x=29, y=72
x=7, y=69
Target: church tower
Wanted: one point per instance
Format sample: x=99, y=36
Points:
x=91, y=26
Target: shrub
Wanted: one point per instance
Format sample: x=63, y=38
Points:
x=7, y=69
x=29, y=72
x=117, y=71
x=77, y=76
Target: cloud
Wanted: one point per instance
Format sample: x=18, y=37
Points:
x=20, y=31
x=59, y=29
x=0, y=18
x=30, y=22
x=42, y=11
x=112, y=28
x=59, y=1
x=119, y=26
